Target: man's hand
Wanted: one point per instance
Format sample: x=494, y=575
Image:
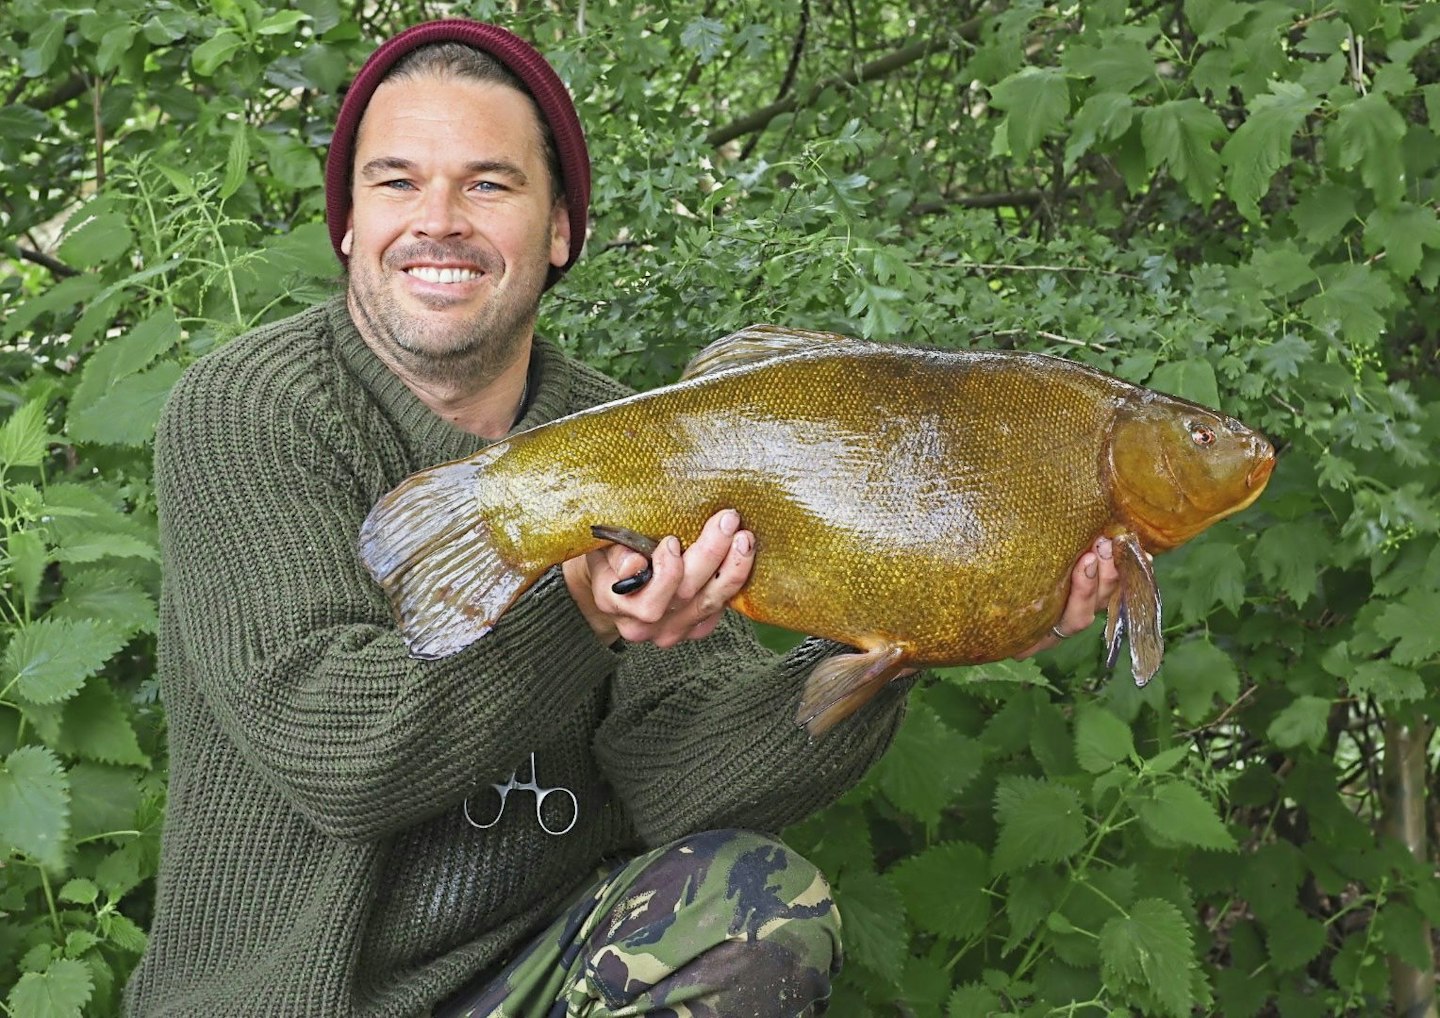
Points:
x=684, y=599
x=1092, y=581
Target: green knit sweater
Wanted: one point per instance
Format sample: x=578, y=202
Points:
x=317, y=859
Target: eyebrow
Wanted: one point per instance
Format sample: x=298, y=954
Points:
x=382, y=165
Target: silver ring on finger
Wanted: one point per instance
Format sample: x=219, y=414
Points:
x=1059, y=633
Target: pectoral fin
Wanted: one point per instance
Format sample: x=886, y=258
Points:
x=1135, y=609
x=841, y=685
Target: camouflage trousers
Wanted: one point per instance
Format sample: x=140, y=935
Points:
x=720, y=924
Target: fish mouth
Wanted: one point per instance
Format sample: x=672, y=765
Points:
x=1260, y=473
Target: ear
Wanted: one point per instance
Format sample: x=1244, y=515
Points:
x=559, y=234
x=348, y=241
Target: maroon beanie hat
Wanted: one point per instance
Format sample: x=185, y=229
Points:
x=523, y=60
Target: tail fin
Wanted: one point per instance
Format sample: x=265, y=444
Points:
x=428, y=547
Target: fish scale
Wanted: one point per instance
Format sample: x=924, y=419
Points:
x=924, y=507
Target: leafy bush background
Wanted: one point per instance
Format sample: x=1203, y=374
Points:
x=1232, y=201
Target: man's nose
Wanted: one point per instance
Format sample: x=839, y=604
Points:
x=441, y=215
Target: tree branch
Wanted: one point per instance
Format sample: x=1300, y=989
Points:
x=53, y=264
x=61, y=94
x=908, y=54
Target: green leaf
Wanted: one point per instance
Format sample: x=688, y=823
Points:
x=114, y=44
x=1302, y=723
x=1289, y=555
x=1370, y=132
x=706, y=36
x=1192, y=379
x=1351, y=301
x=973, y=1000
x=1323, y=212
x=34, y=805
x=1151, y=947
x=1197, y=671
x=1214, y=572
x=292, y=163
x=122, y=356
x=19, y=122
x=211, y=54
x=237, y=160
x=1036, y=101
x=94, y=546
x=106, y=594
x=96, y=726
x=121, y=931
x=1261, y=146
x=943, y=888
x=1413, y=624
x=1119, y=66
x=128, y=412
x=1039, y=822
x=53, y=658
x=875, y=929
x=43, y=47
x=281, y=22
x=79, y=891
x=1386, y=681
x=1294, y=939
x=24, y=437
x=927, y=766
x=27, y=558
x=97, y=240
x=1177, y=814
x=1101, y=739
x=1403, y=232
x=1181, y=135
x=103, y=799
x=1282, y=270
x=1104, y=117
x=61, y=991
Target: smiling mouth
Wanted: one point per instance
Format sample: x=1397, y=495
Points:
x=433, y=274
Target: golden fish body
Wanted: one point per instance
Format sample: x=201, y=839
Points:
x=925, y=507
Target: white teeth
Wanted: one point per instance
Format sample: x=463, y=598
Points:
x=430, y=274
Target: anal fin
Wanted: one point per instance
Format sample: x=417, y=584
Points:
x=841, y=685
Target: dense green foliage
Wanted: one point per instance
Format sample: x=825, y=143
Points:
x=1235, y=202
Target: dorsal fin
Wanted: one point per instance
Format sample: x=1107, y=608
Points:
x=760, y=343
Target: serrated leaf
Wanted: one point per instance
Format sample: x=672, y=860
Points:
x=1268, y=879
x=1386, y=681
x=24, y=438
x=944, y=889
x=1151, y=947
x=875, y=930
x=1181, y=135
x=34, y=805
x=1103, y=117
x=61, y=991
x=1323, y=212
x=1101, y=739
x=1197, y=671
x=1352, y=298
x=1412, y=623
x=1214, y=573
x=103, y=799
x=1177, y=814
x=706, y=37
x=1039, y=821
x=1282, y=270
x=1293, y=938
x=79, y=891
x=1192, y=379
x=95, y=726
x=1405, y=934
x=1403, y=232
x=120, y=357
x=121, y=931
x=972, y=1001
x=98, y=240
x=1036, y=101
x=1302, y=723
x=27, y=558
x=79, y=942
x=51, y=659
x=1034, y=894
x=1119, y=66
x=128, y=412
x=109, y=595
x=1288, y=554
x=93, y=547
x=1370, y=132
x=1210, y=19
x=927, y=766
x=1261, y=146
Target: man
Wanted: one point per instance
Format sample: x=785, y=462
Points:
x=352, y=831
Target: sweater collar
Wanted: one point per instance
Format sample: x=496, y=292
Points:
x=549, y=390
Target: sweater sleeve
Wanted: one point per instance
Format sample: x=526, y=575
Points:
x=704, y=735
x=291, y=645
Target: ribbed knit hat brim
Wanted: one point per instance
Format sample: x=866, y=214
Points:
x=523, y=60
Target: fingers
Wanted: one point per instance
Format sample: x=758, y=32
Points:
x=686, y=596
x=1092, y=582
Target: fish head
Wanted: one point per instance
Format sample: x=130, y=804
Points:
x=1177, y=467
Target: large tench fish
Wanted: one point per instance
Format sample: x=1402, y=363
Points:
x=924, y=507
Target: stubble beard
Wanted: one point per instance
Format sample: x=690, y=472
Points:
x=469, y=352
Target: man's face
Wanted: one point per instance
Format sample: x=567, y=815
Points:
x=452, y=229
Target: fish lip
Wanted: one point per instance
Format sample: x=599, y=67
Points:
x=1260, y=472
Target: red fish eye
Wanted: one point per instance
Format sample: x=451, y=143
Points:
x=1201, y=435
